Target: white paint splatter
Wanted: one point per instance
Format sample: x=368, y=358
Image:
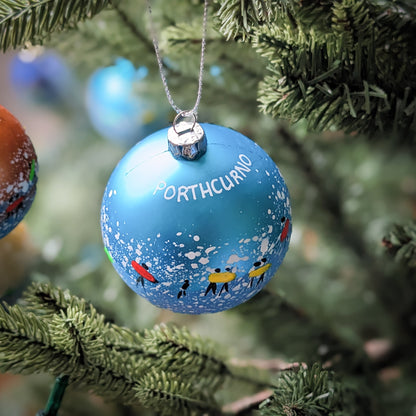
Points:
x=179, y=234
x=204, y=260
x=196, y=238
x=234, y=259
x=270, y=229
x=209, y=249
x=194, y=265
x=264, y=245
x=192, y=254
x=175, y=267
x=25, y=186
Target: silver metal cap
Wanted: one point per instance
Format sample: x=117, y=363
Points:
x=186, y=138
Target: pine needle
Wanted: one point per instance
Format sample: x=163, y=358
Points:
x=23, y=21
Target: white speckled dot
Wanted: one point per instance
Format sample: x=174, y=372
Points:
x=191, y=255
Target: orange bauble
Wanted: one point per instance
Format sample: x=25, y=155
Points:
x=18, y=172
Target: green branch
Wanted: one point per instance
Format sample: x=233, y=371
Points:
x=331, y=62
x=181, y=38
x=167, y=369
x=164, y=368
x=175, y=346
x=309, y=391
x=401, y=243
x=238, y=18
x=55, y=397
x=133, y=28
x=176, y=396
x=23, y=21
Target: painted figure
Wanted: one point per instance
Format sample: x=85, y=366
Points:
x=143, y=271
x=220, y=277
x=260, y=270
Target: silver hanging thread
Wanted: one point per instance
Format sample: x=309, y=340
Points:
x=194, y=110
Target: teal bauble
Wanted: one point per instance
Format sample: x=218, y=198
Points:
x=200, y=235
x=120, y=106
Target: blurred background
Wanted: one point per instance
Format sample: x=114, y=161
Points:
x=79, y=136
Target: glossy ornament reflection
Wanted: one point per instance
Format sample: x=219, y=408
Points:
x=196, y=236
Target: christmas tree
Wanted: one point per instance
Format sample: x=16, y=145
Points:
x=327, y=88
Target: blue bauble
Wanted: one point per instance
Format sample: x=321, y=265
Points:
x=196, y=236
x=119, y=107
x=41, y=77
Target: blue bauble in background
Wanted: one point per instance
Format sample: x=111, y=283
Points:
x=42, y=76
x=118, y=105
x=196, y=236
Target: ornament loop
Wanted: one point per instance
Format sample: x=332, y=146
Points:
x=186, y=138
x=162, y=65
x=183, y=115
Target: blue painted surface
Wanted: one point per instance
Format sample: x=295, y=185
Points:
x=211, y=232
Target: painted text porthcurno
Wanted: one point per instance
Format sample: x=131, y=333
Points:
x=209, y=188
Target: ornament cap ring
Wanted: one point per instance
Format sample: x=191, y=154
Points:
x=183, y=115
x=186, y=139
